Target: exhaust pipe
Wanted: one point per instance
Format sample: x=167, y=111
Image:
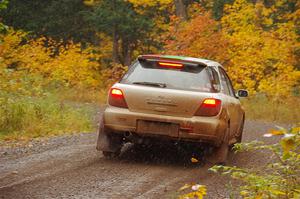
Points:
x=133, y=138
x=128, y=135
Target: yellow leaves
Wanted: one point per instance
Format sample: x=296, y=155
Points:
x=260, y=60
x=296, y=193
x=295, y=130
x=244, y=193
x=287, y=144
x=75, y=66
x=90, y=2
x=288, y=141
x=239, y=16
x=280, y=177
x=140, y=6
x=194, y=160
x=277, y=192
x=198, y=191
x=145, y=3
x=68, y=64
x=259, y=196
x=276, y=132
x=184, y=187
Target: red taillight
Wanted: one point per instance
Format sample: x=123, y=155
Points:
x=116, y=92
x=209, y=107
x=171, y=65
x=116, y=98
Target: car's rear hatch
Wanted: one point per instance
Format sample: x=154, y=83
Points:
x=162, y=101
x=166, y=86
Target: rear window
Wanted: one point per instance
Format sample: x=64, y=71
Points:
x=193, y=77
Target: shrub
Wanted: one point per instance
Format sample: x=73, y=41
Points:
x=281, y=179
x=113, y=74
x=70, y=65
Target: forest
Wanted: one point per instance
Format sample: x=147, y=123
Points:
x=58, y=58
x=60, y=52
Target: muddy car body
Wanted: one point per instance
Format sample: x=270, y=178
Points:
x=173, y=98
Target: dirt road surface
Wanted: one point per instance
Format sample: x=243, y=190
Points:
x=70, y=167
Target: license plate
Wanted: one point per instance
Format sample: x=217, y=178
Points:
x=161, y=128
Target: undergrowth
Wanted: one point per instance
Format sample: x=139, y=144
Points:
x=281, y=178
x=283, y=110
x=26, y=117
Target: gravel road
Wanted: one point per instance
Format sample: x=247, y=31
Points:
x=70, y=167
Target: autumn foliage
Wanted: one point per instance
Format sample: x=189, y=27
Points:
x=261, y=49
x=280, y=178
x=41, y=62
x=257, y=43
x=257, y=49
x=83, y=55
x=199, y=37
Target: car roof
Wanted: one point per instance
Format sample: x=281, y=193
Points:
x=182, y=58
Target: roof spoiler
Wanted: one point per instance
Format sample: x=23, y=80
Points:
x=168, y=59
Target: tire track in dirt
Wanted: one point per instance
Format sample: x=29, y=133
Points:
x=74, y=169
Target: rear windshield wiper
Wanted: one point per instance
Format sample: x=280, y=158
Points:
x=161, y=85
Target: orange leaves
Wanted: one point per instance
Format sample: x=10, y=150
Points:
x=257, y=50
x=112, y=74
x=198, y=38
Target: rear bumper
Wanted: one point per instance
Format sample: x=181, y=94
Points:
x=198, y=129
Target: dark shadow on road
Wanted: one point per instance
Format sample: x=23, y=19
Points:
x=163, y=154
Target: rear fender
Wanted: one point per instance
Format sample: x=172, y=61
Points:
x=223, y=126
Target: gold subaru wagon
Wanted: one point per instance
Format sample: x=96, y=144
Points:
x=172, y=98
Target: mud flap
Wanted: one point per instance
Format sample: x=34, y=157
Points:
x=220, y=153
x=106, y=141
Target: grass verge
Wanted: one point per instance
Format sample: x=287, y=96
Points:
x=23, y=117
x=284, y=110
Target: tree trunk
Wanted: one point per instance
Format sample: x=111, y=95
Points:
x=126, y=52
x=127, y=58
x=115, y=51
x=180, y=9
